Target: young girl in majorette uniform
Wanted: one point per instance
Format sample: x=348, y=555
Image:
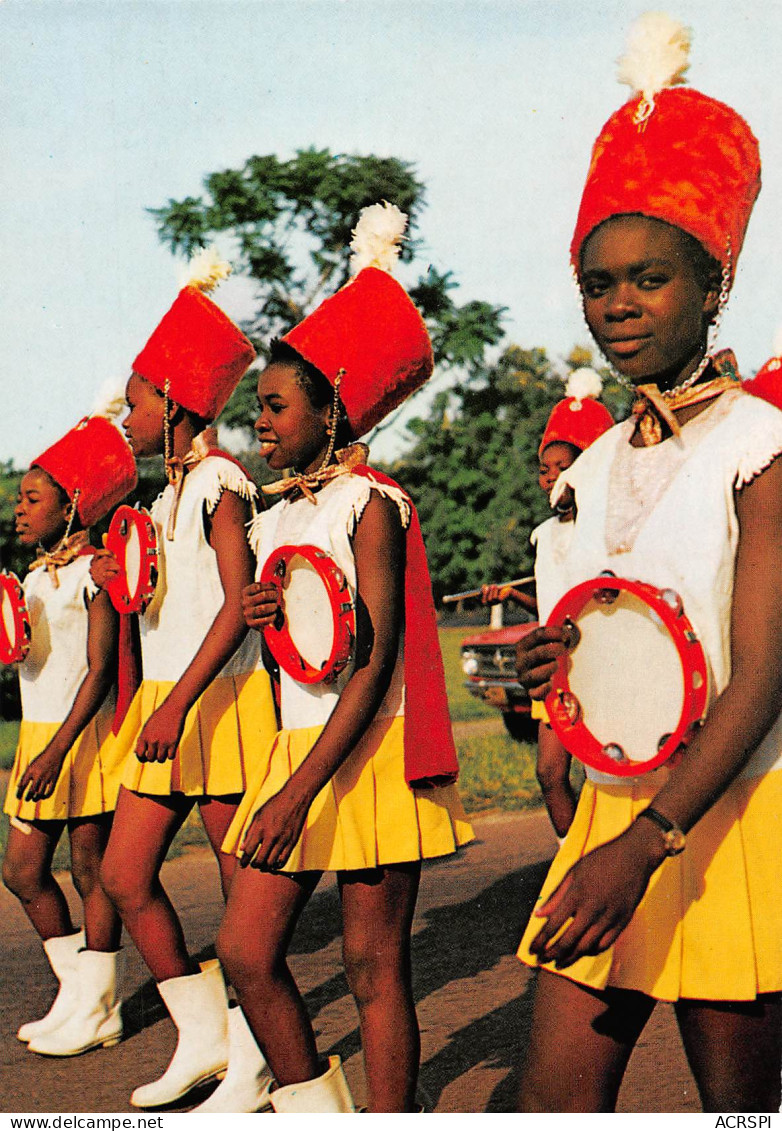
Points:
x=67, y=769
x=667, y=885
x=573, y=424
x=359, y=780
x=204, y=710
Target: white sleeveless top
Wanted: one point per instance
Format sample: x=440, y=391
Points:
x=666, y=515
x=56, y=665
x=328, y=524
x=552, y=541
x=189, y=593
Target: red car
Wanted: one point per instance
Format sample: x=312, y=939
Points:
x=489, y=662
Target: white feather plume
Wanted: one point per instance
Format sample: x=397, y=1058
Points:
x=584, y=382
x=205, y=270
x=110, y=400
x=376, y=237
x=777, y=346
x=657, y=56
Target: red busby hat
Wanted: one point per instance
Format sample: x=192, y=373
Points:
x=196, y=348
x=767, y=382
x=579, y=419
x=93, y=458
x=671, y=153
x=369, y=331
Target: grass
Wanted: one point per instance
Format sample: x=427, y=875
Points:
x=463, y=706
x=496, y=771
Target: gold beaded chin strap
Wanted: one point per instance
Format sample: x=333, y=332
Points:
x=67, y=549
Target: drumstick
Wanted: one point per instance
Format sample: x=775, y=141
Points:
x=451, y=598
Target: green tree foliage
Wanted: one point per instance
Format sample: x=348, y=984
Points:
x=289, y=224
x=472, y=468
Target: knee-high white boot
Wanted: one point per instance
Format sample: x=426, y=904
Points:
x=61, y=953
x=327, y=1094
x=245, y=1087
x=199, y=1008
x=95, y=1015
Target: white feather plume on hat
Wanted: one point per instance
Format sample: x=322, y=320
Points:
x=377, y=236
x=205, y=270
x=584, y=382
x=110, y=400
x=657, y=54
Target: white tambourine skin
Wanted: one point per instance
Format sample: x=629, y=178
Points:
x=314, y=641
x=632, y=687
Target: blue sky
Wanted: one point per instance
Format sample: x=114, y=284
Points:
x=110, y=107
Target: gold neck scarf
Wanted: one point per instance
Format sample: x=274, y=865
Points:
x=305, y=485
x=654, y=410
x=66, y=551
x=202, y=444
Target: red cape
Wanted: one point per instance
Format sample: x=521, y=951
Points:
x=430, y=754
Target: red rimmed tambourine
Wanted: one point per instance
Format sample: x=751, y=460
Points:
x=132, y=539
x=632, y=687
x=15, y=629
x=316, y=630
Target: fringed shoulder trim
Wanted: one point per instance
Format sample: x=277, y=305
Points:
x=758, y=438
x=224, y=475
x=364, y=486
x=254, y=527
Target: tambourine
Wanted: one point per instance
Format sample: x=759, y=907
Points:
x=315, y=632
x=15, y=629
x=132, y=539
x=632, y=687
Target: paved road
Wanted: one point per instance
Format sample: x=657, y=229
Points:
x=473, y=996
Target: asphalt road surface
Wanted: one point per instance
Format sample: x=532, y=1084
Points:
x=474, y=997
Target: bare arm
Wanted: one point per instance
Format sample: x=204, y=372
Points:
x=160, y=737
x=380, y=565
x=40, y=777
x=602, y=891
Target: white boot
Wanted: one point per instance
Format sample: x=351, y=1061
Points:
x=199, y=1008
x=61, y=952
x=327, y=1094
x=246, y=1085
x=95, y=1018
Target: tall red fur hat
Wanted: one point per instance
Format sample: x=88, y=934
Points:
x=578, y=419
x=671, y=153
x=369, y=331
x=196, y=348
x=93, y=458
x=767, y=382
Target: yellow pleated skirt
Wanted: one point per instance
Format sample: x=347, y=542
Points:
x=226, y=732
x=89, y=780
x=710, y=923
x=366, y=816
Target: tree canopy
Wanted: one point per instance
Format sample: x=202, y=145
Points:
x=289, y=224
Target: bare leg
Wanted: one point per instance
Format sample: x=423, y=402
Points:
x=89, y=837
x=734, y=1050
x=591, y=1032
x=217, y=814
x=263, y=908
x=27, y=872
x=141, y=835
x=377, y=912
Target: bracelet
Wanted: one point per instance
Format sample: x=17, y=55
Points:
x=674, y=839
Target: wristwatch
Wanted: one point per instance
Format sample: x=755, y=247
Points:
x=673, y=837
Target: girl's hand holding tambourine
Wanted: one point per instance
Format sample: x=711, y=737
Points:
x=104, y=567
x=537, y=653
x=159, y=740
x=275, y=829
x=260, y=604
